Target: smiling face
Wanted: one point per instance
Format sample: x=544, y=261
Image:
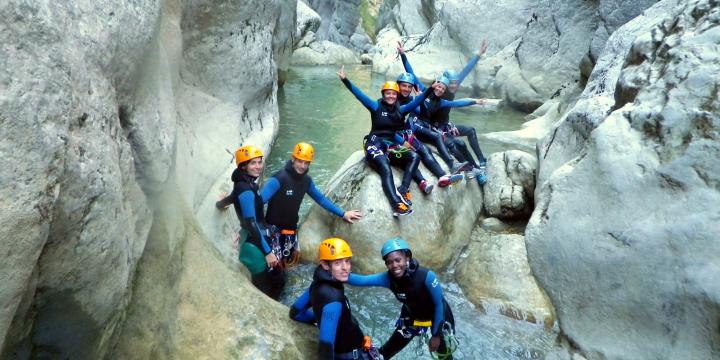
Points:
x=397, y=263
x=439, y=89
x=339, y=269
x=254, y=167
x=300, y=166
x=390, y=96
x=405, y=88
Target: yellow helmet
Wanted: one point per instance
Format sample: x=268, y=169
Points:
x=334, y=249
x=247, y=153
x=303, y=151
x=390, y=85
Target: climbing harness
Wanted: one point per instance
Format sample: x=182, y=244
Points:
x=421, y=330
x=284, y=244
x=370, y=349
x=398, y=151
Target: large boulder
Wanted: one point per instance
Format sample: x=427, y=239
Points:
x=340, y=22
x=440, y=224
x=511, y=184
x=624, y=236
x=495, y=276
x=102, y=104
x=323, y=53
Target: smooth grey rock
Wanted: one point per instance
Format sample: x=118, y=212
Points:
x=511, y=184
x=624, y=236
x=307, y=20
x=340, y=20
x=495, y=276
x=324, y=53
x=440, y=224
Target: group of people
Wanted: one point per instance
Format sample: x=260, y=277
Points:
x=401, y=124
x=403, y=120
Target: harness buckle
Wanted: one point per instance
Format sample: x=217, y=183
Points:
x=355, y=354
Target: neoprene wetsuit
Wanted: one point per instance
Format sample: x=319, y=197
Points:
x=386, y=121
x=340, y=334
x=284, y=192
x=421, y=295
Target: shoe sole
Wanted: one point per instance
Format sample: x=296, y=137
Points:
x=428, y=189
x=397, y=214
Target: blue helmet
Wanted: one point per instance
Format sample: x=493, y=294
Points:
x=406, y=77
x=395, y=244
x=444, y=80
x=451, y=75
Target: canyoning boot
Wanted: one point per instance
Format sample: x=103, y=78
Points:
x=426, y=187
x=482, y=176
x=405, y=196
x=447, y=180
x=458, y=167
x=401, y=209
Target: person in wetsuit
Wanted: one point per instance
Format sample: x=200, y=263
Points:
x=382, y=147
x=284, y=192
x=439, y=120
x=255, y=252
x=424, y=308
x=406, y=83
x=325, y=303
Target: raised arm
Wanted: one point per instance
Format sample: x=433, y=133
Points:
x=406, y=65
x=473, y=61
x=369, y=103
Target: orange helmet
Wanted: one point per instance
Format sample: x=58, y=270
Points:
x=247, y=153
x=334, y=249
x=390, y=85
x=303, y=151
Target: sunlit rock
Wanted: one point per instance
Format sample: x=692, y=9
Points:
x=439, y=226
x=495, y=275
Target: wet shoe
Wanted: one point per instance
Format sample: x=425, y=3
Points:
x=458, y=167
x=447, y=180
x=402, y=209
x=473, y=173
x=405, y=196
x=426, y=187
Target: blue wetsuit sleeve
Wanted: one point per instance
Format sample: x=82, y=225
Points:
x=301, y=310
x=269, y=190
x=247, y=208
x=369, y=103
x=326, y=204
x=456, y=103
x=409, y=69
x=328, y=328
x=379, y=279
x=415, y=103
x=433, y=286
x=468, y=68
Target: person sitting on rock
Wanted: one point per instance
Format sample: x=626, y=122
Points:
x=438, y=118
x=325, y=303
x=255, y=252
x=424, y=309
x=381, y=146
x=406, y=83
x=284, y=192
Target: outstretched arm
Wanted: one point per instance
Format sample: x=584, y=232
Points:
x=379, y=279
x=269, y=189
x=458, y=103
x=369, y=103
x=319, y=198
x=404, y=109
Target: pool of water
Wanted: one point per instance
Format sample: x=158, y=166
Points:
x=317, y=108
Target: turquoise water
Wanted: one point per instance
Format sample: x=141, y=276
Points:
x=316, y=107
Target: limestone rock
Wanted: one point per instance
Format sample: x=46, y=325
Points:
x=624, y=236
x=440, y=224
x=340, y=20
x=307, y=20
x=495, y=276
x=324, y=53
x=511, y=184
